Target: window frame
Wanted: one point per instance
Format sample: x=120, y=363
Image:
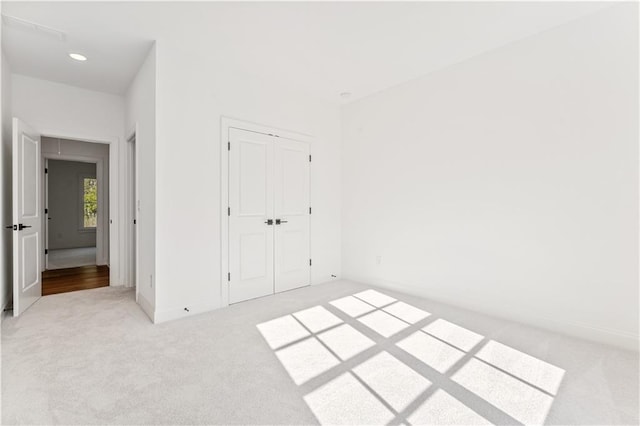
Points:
x=81, y=227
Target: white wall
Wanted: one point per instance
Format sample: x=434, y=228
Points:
x=59, y=110
x=53, y=108
x=507, y=183
x=141, y=118
x=65, y=205
x=193, y=94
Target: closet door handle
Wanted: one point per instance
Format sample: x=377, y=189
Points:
x=269, y=222
x=279, y=221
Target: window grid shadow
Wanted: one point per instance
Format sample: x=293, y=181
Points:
x=437, y=379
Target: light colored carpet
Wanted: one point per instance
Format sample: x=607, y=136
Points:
x=332, y=353
x=71, y=258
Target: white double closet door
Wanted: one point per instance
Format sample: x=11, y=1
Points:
x=269, y=215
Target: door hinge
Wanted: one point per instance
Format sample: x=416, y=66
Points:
x=46, y=251
x=229, y=146
x=46, y=170
x=309, y=262
x=228, y=211
x=46, y=211
x=309, y=157
x=229, y=276
x=309, y=210
x=134, y=222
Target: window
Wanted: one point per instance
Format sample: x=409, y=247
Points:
x=89, y=202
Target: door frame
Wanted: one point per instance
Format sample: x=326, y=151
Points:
x=45, y=221
x=102, y=230
x=131, y=211
x=227, y=123
x=114, y=196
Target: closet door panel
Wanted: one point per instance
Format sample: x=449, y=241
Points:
x=251, y=195
x=291, y=205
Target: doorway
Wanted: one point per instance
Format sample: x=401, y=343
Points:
x=30, y=152
x=76, y=194
x=71, y=194
x=268, y=214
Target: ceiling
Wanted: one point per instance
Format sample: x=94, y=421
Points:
x=320, y=48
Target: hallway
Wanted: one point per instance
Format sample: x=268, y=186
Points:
x=74, y=279
x=71, y=258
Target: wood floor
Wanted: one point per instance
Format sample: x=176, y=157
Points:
x=73, y=279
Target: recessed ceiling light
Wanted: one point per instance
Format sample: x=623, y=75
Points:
x=78, y=57
x=345, y=95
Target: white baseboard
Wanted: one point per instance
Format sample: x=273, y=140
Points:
x=176, y=313
x=146, y=306
x=607, y=336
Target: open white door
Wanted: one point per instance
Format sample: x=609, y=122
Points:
x=27, y=217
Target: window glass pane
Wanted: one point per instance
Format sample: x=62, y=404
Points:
x=90, y=200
